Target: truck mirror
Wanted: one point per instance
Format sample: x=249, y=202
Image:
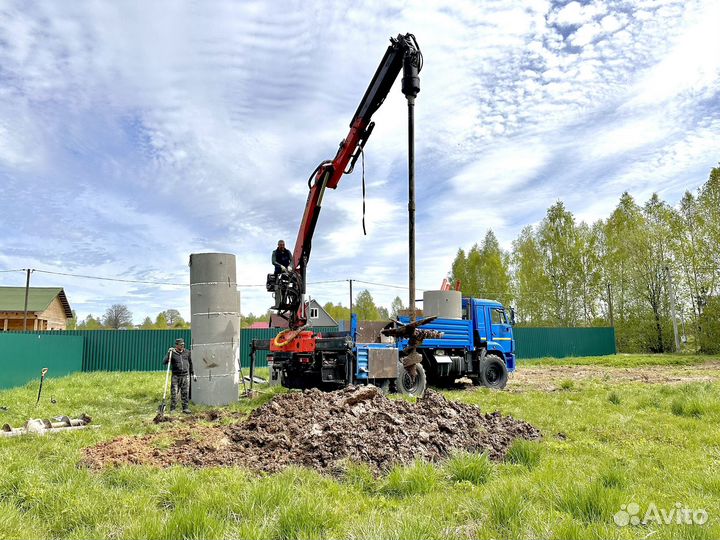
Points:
x=512, y=316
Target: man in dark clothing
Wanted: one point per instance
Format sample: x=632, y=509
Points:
x=281, y=258
x=182, y=369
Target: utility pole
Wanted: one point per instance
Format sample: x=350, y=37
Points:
x=351, y=299
x=610, y=305
x=27, y=291
x=672, y=309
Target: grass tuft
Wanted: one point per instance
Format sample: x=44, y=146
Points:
x=695, y=408
x=418, y=478
x=467, y=467
x=360, y=475
x=613, y=476
x=306, y=519
x=692, y=408
x=614, y=398
x=569, y=529
x=193, y=521
x=589, y=503
x=567, y=384
x=523, y=452
x=506, y=509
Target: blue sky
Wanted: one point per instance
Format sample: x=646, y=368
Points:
x=135, y=133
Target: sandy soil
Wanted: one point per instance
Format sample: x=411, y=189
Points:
x=549, y=378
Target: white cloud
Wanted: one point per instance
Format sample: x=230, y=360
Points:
x=139, y=132
x=575, y=13
x=625, y=136
x=502, y=169
x=693, y=65
x=585, y=34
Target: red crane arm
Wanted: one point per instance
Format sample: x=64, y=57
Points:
x=402, y=51
x=403, y=54
x=326, y=175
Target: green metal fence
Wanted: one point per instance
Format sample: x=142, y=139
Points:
x=563, y=342
x=143, y=350
x=123, y=350
x=22, y=356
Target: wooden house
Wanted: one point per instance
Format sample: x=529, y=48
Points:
x=47, y=308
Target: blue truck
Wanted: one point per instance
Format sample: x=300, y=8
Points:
x=479, y=346
x=473, y=339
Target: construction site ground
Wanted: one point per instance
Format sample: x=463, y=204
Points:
x=557, y=454
x=324, y=431
x=551, y=378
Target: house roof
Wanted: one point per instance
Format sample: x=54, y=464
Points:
x=260, y=324
x=314, y=303
x=39, y=299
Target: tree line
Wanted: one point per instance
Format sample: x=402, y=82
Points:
x=118, y=317
x=363, y=305
x=629, y=270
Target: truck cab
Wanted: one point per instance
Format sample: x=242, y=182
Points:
x=492, y=328
x=479, y=345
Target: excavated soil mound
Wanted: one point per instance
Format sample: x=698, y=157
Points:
x=321, y=430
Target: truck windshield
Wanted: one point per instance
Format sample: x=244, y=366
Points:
x=498, y=316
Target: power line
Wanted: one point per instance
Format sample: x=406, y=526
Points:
x=149, y=282
x=121, y=280
x=381, y=284
x=241, y=285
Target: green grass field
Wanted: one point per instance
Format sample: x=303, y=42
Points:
x=606, y=444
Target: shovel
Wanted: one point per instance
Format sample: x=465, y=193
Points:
x=161, y=409
x=42, y=378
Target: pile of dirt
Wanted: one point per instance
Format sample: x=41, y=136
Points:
x=320, y=430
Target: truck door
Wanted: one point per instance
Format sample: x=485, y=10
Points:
x=480, y=326
x=501, y=329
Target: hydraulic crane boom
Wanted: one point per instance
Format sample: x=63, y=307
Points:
x=402, y=54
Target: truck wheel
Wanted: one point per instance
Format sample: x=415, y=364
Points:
x=493, y=372
x=405, y=384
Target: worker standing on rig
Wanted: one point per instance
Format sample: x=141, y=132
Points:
x=281, y=258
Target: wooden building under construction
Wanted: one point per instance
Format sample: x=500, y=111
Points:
x=47, y=308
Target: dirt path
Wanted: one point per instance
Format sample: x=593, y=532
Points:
x=549, y=378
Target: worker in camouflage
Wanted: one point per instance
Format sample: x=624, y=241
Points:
x=182, y=369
